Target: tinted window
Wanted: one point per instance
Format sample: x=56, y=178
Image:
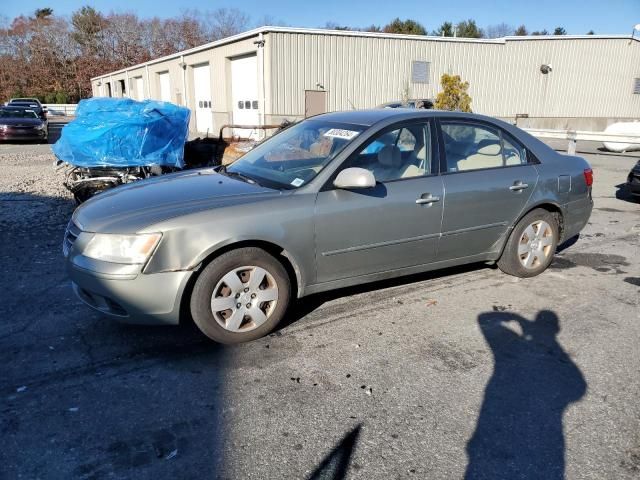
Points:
x=475, y=147
x=397, y=154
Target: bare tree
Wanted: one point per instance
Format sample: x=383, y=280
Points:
x=499, y=30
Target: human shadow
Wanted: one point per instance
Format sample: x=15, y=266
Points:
x=519, y=430
x=335, y=464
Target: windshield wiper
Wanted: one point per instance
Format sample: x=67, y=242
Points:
x=241, y=176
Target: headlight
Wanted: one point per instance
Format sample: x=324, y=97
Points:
x=130, y=249
x=3, y=127
x=40, y=127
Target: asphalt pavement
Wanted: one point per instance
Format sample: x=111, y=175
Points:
x=465, y=371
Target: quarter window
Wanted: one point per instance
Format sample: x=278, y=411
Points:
x=475, y=147
x=393, y=155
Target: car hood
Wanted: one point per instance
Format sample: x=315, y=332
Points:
x=132, y=208
x=20, y=121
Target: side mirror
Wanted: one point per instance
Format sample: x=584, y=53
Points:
x=354, y=177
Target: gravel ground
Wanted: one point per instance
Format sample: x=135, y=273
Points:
x=464, y=370
x=32, y=191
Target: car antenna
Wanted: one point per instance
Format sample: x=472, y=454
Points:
x=352, y=105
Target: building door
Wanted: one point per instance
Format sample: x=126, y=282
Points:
x=139, y=86
x=244, y=95
x=165, y=86
x=315, y=102
x=202, y=97
x=109, y=94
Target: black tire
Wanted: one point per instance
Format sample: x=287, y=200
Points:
x=213, y=273
x=512, y=263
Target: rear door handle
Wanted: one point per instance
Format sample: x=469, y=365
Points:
x=427, y=198
x=518, y=185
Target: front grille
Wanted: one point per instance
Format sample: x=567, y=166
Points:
x=70, y=236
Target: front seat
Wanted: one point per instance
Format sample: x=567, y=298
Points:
x=389, y=163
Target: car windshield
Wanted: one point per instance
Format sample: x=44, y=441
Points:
x=17, y=113
x=293, y=157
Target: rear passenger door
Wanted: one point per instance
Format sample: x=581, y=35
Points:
x=488, y=180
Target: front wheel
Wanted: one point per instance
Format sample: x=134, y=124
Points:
x=240, y=296
x=531, y=245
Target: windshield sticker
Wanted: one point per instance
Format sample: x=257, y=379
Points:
x=341, y=133
x=297, y=182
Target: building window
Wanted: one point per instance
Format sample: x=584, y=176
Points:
x=420, y=72
x=636, y=86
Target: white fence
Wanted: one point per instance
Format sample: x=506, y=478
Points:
x=61, y=109
x=574, y=135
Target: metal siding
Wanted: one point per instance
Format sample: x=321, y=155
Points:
x=591, y=77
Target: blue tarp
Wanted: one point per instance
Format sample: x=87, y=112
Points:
x=120, y=132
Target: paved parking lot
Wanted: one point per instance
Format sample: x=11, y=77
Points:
x=433, y=376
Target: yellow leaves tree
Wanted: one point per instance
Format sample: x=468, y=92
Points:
x=454, y=94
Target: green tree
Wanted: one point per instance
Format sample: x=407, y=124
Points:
x=540, y=32
x=468, y=29
x=591, y=32
x=87, y=25
x=41, y=13
x=521, y=31
x=445, y=30
x=454, y=94
x=409, y=27
x=559, y=31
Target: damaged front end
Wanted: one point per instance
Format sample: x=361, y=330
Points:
x=85, y=182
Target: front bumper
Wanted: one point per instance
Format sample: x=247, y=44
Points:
x=131, y=298
x=16, y=134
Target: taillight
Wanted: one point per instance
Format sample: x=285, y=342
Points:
x=588, y=176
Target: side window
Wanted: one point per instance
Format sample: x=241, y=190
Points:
x=393, y=155
x=470, y=147
x=514, y=153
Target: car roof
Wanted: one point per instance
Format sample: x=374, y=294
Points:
x=370, y=117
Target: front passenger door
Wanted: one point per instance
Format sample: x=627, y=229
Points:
x=488, y=181
x=392, y=226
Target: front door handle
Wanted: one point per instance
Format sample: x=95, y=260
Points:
x=427, y=198
x=518, y=185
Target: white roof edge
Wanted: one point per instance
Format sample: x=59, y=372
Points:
x=357, y=33
x=571, y=37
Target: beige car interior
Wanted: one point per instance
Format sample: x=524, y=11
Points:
x=462, y=156
x=391, y=166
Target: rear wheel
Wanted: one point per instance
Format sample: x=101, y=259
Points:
x=240, y=296
x=531, y=245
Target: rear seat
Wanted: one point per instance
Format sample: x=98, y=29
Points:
x=488, y=156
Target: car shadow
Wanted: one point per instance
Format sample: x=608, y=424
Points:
x=306, y=305
x=622, y=193
x=519, y=431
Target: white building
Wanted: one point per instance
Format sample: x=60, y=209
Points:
x=269, y=74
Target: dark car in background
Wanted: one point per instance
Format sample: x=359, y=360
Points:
x=633, y=180
x=424, y=103
x=19, y=123
x=30, y=103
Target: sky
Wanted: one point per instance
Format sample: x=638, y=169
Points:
x=576, y=16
